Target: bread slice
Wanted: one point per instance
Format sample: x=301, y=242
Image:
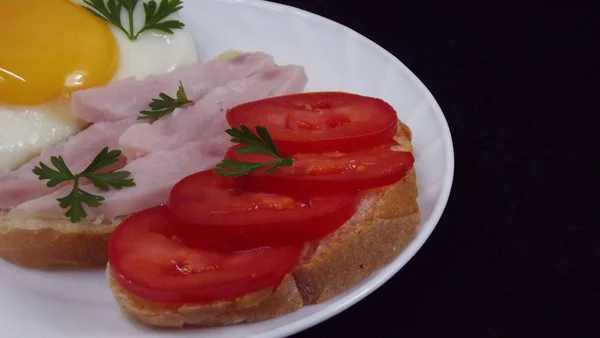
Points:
x=385, y=222
x=54, y=243
x=253, y=307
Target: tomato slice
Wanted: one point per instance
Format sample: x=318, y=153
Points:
x=209, y=210
x=319, y=121
x=323, y=173
x=148, y=261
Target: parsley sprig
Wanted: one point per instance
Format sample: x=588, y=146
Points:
x=165, y=104
x=253, y=144
x=154, y=15
x=76, y=198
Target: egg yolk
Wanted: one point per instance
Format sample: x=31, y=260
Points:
x=50, y=48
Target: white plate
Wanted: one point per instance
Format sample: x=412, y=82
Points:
x=79, y=304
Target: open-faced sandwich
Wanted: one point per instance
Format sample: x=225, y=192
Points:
x=214, y=193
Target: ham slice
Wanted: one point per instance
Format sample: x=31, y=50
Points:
x=126, y=98
x=78, y=151
x=154, y=176
x=205, y=119
x=188, y=141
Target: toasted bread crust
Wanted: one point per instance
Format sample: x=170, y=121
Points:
x=355, y=254
x=253, y=307
x=55, y=248
x=362, y=246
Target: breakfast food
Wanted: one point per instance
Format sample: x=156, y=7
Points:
x=216, y=191
x=183, y=148
x=35, y=231
x=43, y=64
x=20, y=186
x=124, y=127
x=232, y=246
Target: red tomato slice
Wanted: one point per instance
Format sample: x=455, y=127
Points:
x=149, y=262
x=321, y=121
x=322, y=173
x=208, y=210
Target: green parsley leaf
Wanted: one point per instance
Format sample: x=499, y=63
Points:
x=74, y=201
x=165, y=104
x=55, y=177
x=253, y=144
x=154, y=14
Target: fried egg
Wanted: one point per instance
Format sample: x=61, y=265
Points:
x=51, y=48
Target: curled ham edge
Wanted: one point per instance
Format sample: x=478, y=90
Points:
x=47, y=207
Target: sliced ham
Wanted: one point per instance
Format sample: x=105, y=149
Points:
x=154, y=176
x=205, y=120
x=78, y=151
x=126, y=98
x=189, y=141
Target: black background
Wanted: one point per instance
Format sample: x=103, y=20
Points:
x=516, y=251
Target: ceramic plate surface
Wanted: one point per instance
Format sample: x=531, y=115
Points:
x=79, y=304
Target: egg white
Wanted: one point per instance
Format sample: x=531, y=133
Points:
x=26, y=130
